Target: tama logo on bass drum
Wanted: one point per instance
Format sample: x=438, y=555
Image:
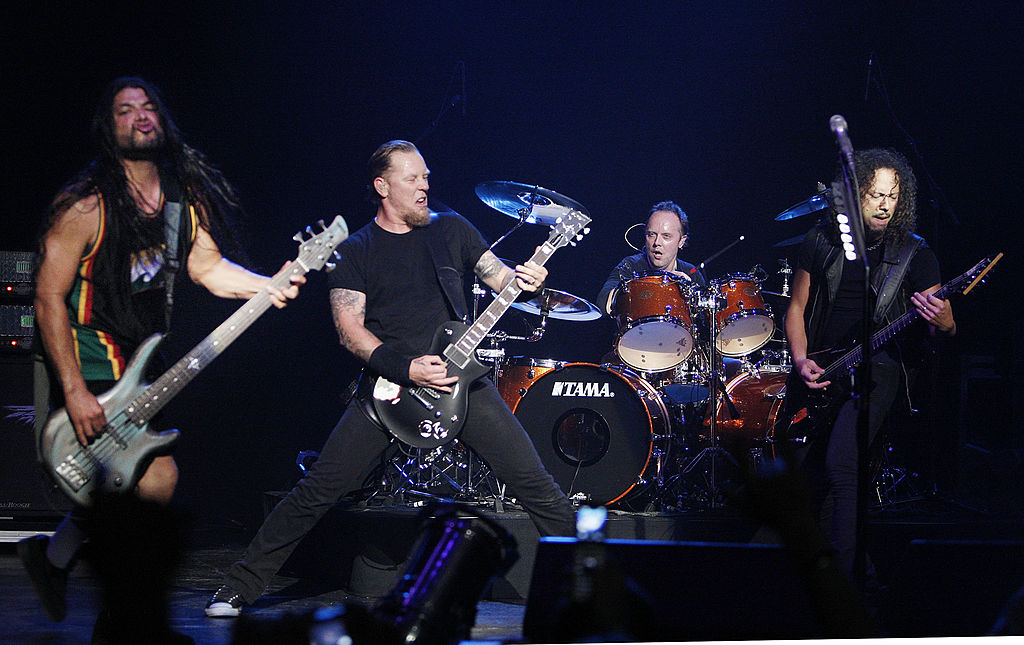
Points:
x=582, y=388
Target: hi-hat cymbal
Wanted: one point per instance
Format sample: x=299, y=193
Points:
x=539, y=205
x=791, y=241
x=812, y=205
x=560, y=305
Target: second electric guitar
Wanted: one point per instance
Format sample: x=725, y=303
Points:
x=426, y=418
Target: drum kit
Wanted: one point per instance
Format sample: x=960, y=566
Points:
x=693, y=384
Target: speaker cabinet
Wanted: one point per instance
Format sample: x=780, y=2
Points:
x=29, y=501
x=952, y=587
x=647, y=590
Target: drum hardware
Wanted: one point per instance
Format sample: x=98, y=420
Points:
x=719, y=394
x=450, y=471
x=785, y=270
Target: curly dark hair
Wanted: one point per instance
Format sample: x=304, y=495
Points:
x=673, y=207
x=904, y=216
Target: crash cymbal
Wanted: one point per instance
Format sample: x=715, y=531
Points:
x=560, y=305
x=791, y=241
x=539, y=205
x=812, y=205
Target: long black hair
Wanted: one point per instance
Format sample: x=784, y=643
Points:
x=904, y=216
x=182, y=168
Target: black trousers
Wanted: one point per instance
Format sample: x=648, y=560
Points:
x=831, y=462
x=354, y=448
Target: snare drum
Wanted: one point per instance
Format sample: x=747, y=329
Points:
x=596, y=429
x=745, y=323
x=515, y=375
x=654, y=323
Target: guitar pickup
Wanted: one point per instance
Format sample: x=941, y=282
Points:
x=418, y=395
x=72, y=473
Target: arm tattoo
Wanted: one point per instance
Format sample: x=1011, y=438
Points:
x=488, y=266
x=345, y=302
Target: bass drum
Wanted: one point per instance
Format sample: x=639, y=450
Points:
x=595, y=429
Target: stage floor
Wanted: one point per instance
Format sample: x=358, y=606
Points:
x=211, y=550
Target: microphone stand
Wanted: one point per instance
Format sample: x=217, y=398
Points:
x=846, y=194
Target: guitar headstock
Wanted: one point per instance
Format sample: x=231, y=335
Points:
x=569, y=229
x=316, y=249
x=979, y=270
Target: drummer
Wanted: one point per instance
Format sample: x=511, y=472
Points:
x=666, y=233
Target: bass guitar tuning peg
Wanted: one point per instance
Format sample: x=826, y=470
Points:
x=298, y=237
x=320, y=223
x=329, y=266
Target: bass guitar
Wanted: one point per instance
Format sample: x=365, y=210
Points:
x=426, y=418
x=118, y=457
x=816, y=409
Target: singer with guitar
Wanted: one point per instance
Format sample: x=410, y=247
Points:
x=825, y=313
x=114, y=236
x=399, y=280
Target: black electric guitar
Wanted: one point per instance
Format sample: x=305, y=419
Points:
x=115, y=460
x=814, y=410
x=426, y=418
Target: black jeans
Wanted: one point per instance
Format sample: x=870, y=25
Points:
x=352, y=451
x=831, y=463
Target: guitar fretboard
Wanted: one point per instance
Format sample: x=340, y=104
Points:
x=852, y=358
x=462, y=349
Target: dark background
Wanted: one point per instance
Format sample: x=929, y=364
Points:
x=720, y=106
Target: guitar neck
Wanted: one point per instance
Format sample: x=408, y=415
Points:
x=463, y=349
x=852, y=358
x=157, y=395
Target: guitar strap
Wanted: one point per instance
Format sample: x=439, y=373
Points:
x=887, y=285
x=172, y=233
x=451, y=284
x=447, y=275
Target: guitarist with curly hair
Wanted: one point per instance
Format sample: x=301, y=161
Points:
x=826, y=312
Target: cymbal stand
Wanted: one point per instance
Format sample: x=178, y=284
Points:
x=786, y=271
x=414, y=475
x=716, y=389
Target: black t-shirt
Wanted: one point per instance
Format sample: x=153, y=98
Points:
x=404, y=301
x=848, y=309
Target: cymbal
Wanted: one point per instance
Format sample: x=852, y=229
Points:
x=539, y=205
x=790, y=241
x=559, y=305
x=812, y=205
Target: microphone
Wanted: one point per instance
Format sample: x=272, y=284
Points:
x=838, y=125
x=867, y=83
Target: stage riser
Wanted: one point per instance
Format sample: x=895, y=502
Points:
x=364, y=550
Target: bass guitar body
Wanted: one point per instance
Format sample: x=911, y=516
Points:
x=115, y=460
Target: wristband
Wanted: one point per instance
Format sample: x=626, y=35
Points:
x=390, y=364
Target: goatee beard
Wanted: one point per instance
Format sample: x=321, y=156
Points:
x=143, y=154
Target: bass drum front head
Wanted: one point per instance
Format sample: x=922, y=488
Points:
x=591, y=428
